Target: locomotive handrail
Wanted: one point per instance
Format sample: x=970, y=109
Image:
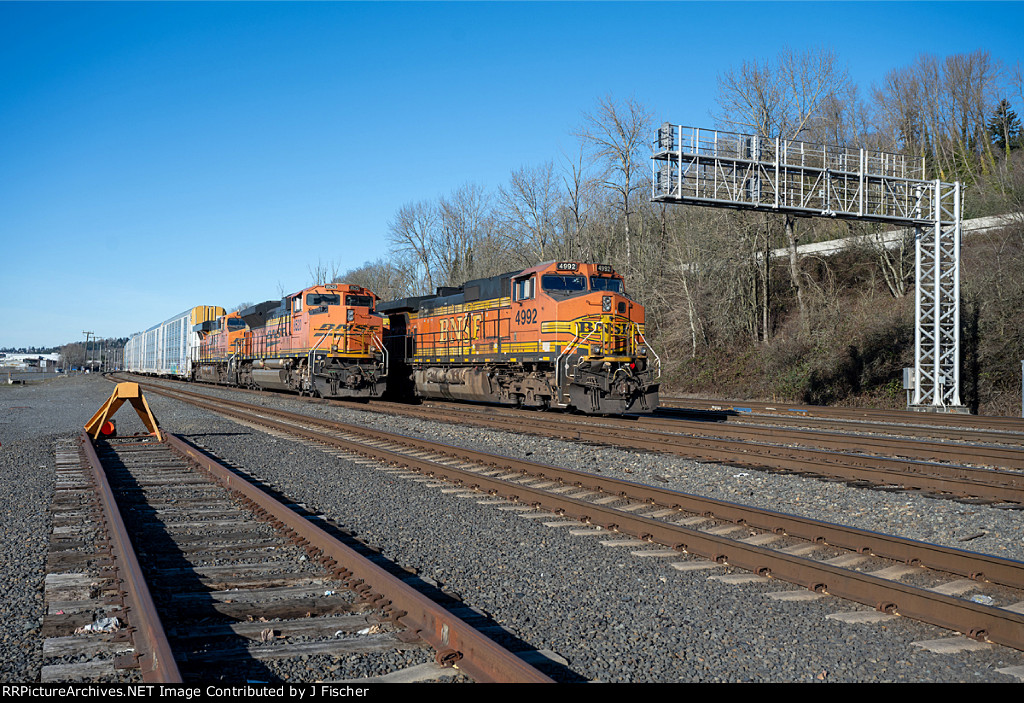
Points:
x=558, y=365
x=309, y=361
x=558, y=368
x=444, y=347
x=380, y=345
x=650, y=348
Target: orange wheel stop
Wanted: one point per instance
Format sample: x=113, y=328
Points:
x=101, y=422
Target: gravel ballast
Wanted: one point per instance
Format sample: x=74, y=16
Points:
x=612, y=616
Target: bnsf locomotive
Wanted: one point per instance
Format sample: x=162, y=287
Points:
x=560, y=334
x=324, y=340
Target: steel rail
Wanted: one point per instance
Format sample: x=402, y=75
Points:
x=965, y=481
x=971, y=564
x=455, y=641
x=996, y=625
x=972, y=452
x=918, y=449
x=153, y=652
x=981, y=422
x=769, y=420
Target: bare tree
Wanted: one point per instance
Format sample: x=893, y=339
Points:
x=616, y=134
x=938, y=110
x=323, y=272
x=72, y=355
x=752, y=99
x=412, y=233
x=896, y=262
x=529, y=213
x=579, y=185
x=463, y=222
x=779, y=99
x=842, y=119
x=900, y=105
x=385, y=277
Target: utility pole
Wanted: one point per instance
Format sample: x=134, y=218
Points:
x=87, y=335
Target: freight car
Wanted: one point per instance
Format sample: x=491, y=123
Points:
x=167, y=349
x=561, y=334
x=324, y=340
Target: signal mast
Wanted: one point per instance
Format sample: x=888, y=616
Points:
x=695, y=166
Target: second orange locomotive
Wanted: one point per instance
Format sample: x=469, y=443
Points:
x=560, y=334
x=324, y=340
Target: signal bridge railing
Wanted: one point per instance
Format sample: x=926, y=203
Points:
x=713, y=167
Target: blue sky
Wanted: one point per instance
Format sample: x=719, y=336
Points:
x=156, y=156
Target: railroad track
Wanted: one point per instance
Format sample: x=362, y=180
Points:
x=937, y=422
x=220, y=582
x=770, y=447
x=774, y=417
x=979, y=595
x=843, y=457
x=942, y=470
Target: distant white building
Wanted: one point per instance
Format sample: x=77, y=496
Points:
x=22, y=362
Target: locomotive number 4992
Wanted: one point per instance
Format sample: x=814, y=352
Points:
x=526, y=316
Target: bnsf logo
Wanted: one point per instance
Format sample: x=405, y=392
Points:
x=333, y=329
x=459, y=329
x=587, y=327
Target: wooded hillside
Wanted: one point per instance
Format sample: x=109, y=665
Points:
x=727, y=320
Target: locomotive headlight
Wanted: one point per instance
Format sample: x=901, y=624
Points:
x=606, y=303
x=642, y=351
x=595, y=350
x=351, y=315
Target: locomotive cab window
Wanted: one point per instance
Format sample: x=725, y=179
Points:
x=563, y=285
x=297, y=304
x=610, y=284
x=314, y=299
x=522, y=289
x=361, y=301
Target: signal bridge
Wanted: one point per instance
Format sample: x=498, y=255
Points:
x=786, y=176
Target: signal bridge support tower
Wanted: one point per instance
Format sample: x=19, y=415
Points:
x=695, y=166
